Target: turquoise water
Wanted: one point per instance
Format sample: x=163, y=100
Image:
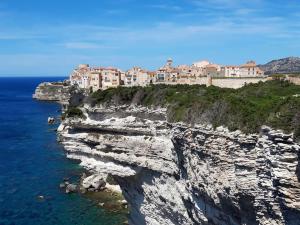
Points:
x=32, y=163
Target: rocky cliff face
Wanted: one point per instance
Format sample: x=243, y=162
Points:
x=286, y=65
x=176, y=174
x=60, y=92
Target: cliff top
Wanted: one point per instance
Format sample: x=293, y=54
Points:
x=274, y=103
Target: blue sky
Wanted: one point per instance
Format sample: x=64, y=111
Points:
x=51, y=37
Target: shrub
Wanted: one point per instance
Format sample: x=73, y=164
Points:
x=73, y=112
x=272, y=103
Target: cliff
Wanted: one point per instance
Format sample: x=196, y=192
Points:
x=194, y=171
x=172, y=173
x=60, y=92
x=286, y=65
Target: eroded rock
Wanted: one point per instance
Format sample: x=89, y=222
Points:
x=176, y=174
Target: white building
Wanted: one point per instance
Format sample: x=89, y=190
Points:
x=136, y=77
x=250, y=69
x=80, y=76
x=231, y=71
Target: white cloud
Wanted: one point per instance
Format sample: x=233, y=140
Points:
x=85, y=45
x=167, y=7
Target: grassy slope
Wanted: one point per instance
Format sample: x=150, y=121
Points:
x=271, y=103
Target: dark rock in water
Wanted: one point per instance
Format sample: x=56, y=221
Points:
x=62, y=185
x=71, y=188
x=83, y=190
x=51, y=120
x=41, y=197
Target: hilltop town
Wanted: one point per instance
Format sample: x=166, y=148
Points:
x=203, y=73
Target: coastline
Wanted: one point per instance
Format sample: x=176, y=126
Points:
x=108, y=197
x=172, y=172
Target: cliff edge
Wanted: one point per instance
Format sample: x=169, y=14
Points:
x=171, y=173
x=169, y=151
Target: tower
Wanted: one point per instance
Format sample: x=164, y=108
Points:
x=169, y=63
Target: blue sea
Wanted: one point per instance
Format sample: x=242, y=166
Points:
x=33, y=164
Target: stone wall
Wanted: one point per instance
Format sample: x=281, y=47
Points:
x=221, y=82
x=235, y=82
x=294, y=80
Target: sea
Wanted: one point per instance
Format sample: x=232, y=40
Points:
x=33, y=164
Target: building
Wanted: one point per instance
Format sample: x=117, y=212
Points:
x=111, y=78
x=213, y=70
x=202, y=72
x=136, y=77
x=250, y=69
x=80, y=76
x=95, y=80
x=162, y=74
x=231, y=71
x=151, y=77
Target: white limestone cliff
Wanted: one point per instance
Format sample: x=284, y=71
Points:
x=176, y=174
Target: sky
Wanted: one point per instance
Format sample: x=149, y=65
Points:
x=50, y=38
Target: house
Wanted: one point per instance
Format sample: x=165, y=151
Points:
x=161, y=75
x=212, y=70
x=111, y=77
x=95, y=80
x=75, y=79
x=231, y=71
x=136, y=77
x=80, y=76
x=250, y=69
x=173, y=75
x=151, y=77
x=167, y=73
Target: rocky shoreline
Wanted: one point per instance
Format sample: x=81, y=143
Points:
x=173, y=173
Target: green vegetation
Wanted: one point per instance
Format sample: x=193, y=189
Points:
x=72, y=112
x=294, y=75
x=277, y=76
x=274, y=103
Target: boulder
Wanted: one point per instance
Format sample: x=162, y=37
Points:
x=93, y=182
x=71, y=188
x=51, y=120
x=62, y=185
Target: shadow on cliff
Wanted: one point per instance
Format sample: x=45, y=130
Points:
x=298, y=168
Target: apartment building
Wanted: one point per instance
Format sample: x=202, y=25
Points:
x=80, y=76
x=151, y=77
x=213, y=70
x=250, y=69
x=231, y=71
x=111, y=78
x=95, y=80
x=136, y=77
